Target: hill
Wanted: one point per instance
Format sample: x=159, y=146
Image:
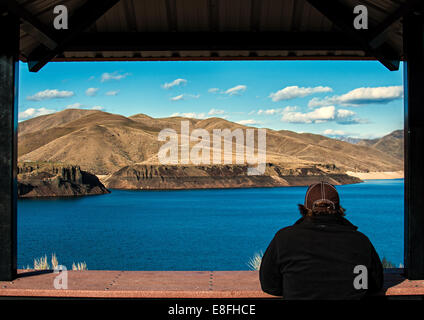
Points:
x=103, y=143
x=391, y=144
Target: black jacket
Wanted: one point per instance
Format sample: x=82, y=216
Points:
x=315, y=259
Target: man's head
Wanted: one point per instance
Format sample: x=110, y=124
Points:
x=321, y=198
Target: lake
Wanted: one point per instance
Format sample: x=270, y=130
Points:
x=215, y=229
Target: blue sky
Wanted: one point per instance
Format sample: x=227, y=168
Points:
x=346, y=98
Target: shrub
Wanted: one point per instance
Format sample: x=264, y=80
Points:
x=79, y=266
x=254, y=263
x=42, y=264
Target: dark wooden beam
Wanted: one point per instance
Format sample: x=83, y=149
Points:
x=377, y=35
x=212, y=41
x=255, y=15
x=171, y=15
x=213, y=15
x=413, y=35
x=343, y=18
x=130, y=15
x=83, y=18
x=9, y=71
x=32, y=25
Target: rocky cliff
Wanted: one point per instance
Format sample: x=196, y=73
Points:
x=220, y=176
x=56, y=180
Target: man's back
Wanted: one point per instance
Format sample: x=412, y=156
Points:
x=316, y=259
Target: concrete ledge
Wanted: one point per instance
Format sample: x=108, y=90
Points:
x=166, y=284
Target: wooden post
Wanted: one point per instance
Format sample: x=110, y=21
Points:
x=413, y=35
x=9, y=70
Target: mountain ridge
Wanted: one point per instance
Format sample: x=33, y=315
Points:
x=103, y=143
x=392, y=143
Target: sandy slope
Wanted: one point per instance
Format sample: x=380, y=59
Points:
x=377, y=175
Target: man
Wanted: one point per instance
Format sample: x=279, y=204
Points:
x=322, y=256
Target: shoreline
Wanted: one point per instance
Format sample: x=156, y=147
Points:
x=383, y=175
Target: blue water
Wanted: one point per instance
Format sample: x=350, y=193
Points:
x=192, y=229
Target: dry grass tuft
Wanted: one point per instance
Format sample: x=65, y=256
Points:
x=54, y=261
x=254, y=263
x=79, y=266
x=42, y=264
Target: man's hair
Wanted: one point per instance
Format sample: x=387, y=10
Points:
x=321, y=208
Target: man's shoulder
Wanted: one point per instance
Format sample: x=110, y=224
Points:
x=285, y=231
x=295, y=228
x=362, y=236
x=289, y=229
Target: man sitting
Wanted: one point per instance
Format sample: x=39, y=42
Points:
x=322, y=256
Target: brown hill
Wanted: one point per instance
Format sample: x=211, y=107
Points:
x=52, y=120
x=391, y=144
x=103, y=143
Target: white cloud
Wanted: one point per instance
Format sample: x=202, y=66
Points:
x=174, y=83
x=331, y=132
x=290, y=108
x=237, y=90
x=316, y=116
x=213, y=90
x=50, y=94
x=317, y=102
x=213, y=112
x=177, y=98
x=76, y=105
x=112, y=93
x=185, y=97
x=372, y=95
x=293, y=92
x=344, y=114
x=91, y=92
x=269, y=111
x=248, y=122
x=33, y=112
x=189, y=115
x=113, y=76
x=360, y=96
x=320, y=115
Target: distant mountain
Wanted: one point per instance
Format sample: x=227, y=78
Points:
x=348, y=139
x=103, y=143
x=391, y=144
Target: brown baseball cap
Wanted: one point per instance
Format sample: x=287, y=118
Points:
x=322, y=192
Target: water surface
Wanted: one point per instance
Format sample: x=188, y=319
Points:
x=217, y=229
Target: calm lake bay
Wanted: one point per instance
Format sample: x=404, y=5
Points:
x=215, y=229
